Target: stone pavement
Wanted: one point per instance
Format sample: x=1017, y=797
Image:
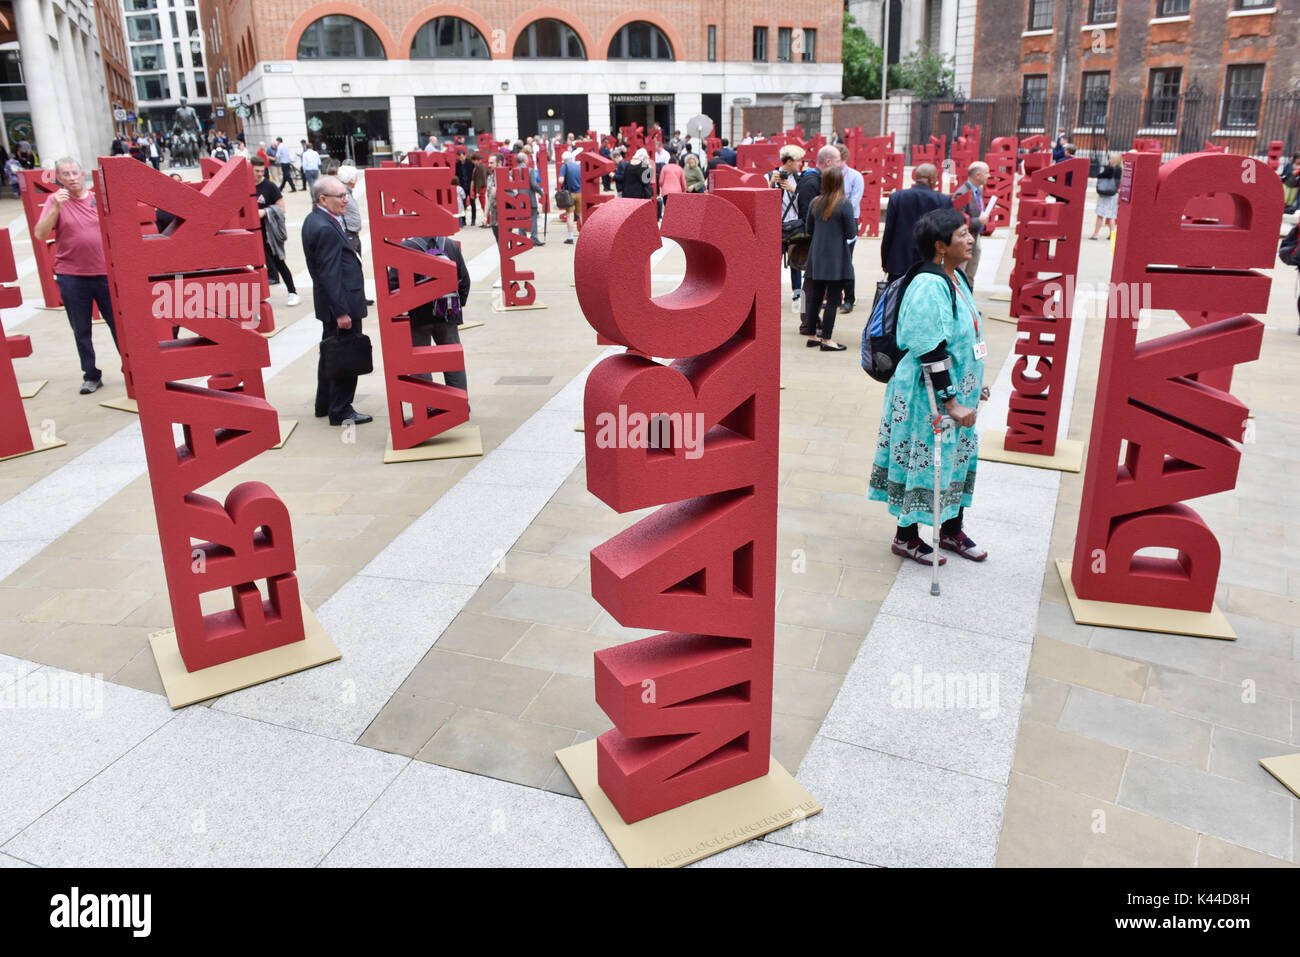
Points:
x=458, y=592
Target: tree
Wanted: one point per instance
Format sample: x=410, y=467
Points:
x=927, y=74
x=862, y=60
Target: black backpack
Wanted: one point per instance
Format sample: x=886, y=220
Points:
x=880, y=351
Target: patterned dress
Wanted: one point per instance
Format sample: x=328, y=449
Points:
x=903, y=471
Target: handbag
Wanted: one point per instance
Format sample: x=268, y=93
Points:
x=563, y=199
x=1107, y=185
x=344, y=356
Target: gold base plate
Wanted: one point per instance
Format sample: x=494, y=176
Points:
x=497, y=306
x=189, y=687
x=1000, y=295
x=999, y=317
x=580, y=427
x=463, y=441
x=469, y=325
x=1286, y=768
x=1169, y=621
x=122, y=405
x=29, y=390
x=286, y=429
x=1067, y=458
x=693, y=831
x=273, y=333
x=38, y=443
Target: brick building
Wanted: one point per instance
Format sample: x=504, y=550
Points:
x=368, y=78
x=1180, y=71
x=116, y=59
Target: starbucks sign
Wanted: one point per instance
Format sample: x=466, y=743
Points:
x=314, y=124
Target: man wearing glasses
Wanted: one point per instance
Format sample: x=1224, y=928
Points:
x=338, y=292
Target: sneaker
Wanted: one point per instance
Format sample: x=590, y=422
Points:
x=294, y=299
x=961, y=544
x=917, y=551
x=91, y=385
x=569, y=241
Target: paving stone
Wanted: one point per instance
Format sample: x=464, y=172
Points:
x=1235, y=754
x=1253, y=817
x=90, y=649
x=1136, y=727
x=801, y=692
x=838, y=653
x=1044, y=698
x=551, y=571
x=516, y=468
x=1282, y=609
x=1069, y=760
x=1219, y=703
x=564, y=650
x=569, y=702
x=1213, y=852
x=7, y=861
x=435, y=817
x=808, y=576
x=792, y=736
x=406, y=724
x=475, y=682
x=284, y=799
x=1049, y=826
x=933, y=698
x=1056, y=621
x=340, y=699
x=1195, y=655
x=91, y=606
x=797, y=646
x=843, y=615
x=551, y=606
x=1078, y=665
x=884, y=810
x=865, y=585
x=498, y=746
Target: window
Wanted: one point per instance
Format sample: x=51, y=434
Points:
x=339, y=37
x=783, y=44
x=11, y=76
x=148, y=56
x=549, y=39
x=1033, y=102
x=1162, y=97
x=449, y=38
x=132, y=5
x=1096, y=96
x=640, y=41
x=1102, y=11
x=200, y=85
x=144, y=28
x=1040, y=14
x=809, y=46
x=185, y=89
x=1173, y=8
x=152, y=87
x=1242, y=95
x=713, y=43
x=1252, y=4
x=760, y=44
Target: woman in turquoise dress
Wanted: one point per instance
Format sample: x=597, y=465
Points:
x=937, y=319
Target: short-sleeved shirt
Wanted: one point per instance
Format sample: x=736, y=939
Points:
x=268, y=194
x=78, y=244
x=572, y=177
x=310, y=160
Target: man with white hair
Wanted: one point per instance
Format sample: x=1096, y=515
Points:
x=969, y=199
x=786, y=178
x=571, y=170
x=338, y=292
x=70, y=216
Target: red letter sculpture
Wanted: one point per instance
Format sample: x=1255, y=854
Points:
x=692, y=706
x=1047, y=241
x=406, y=203
x=15, y=436
x=1161, y=433
x=514, y=216
x=248, y=538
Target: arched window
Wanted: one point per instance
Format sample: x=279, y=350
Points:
x=339, y=37
x=549, y=39
x=640, y=41
x=449, y=38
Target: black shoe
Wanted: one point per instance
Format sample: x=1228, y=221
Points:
x=813, y=343
x=370, y=302
x=846, y=308
x=827, y=347
x=539, y=242
x=356, y=418
x=321, y=415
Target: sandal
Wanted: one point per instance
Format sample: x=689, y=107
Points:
x=963, y=546
x=917, y=551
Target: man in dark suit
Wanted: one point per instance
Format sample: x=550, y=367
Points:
x=338, y=292
x=898, y=252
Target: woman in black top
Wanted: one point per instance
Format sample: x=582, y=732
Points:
x=638, y=178
x=833, y=229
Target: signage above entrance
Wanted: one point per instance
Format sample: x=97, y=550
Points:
x=641, y=98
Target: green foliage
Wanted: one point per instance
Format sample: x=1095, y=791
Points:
x=927, y=74
x=862, y=59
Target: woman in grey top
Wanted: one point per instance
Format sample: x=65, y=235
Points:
x=833, y=228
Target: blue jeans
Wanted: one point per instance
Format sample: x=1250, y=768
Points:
x=78, y=293
x=309, y=177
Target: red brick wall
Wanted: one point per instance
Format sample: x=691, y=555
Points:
x=113, y=52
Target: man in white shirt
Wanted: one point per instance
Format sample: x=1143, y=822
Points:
x=431, y=143
x=310, y=164
x=854, y=186
x=285, y=162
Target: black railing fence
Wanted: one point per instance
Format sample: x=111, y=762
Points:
x=1101, y=125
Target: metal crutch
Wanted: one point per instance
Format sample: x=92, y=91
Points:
x=939, y=424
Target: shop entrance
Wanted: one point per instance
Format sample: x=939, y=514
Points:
x=643, y=109
x=358, y=134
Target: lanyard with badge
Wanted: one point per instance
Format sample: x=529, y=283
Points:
x=980, y=348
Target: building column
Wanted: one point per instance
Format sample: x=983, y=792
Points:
x=900, y=121
x=98, y=105
x=686, y=106
x=41, y=75
x=505, y=117
x=828, y=118
x=948, y=28
x=402, y=124
x=598, y=113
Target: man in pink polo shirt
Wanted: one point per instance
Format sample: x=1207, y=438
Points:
x=70, y=216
